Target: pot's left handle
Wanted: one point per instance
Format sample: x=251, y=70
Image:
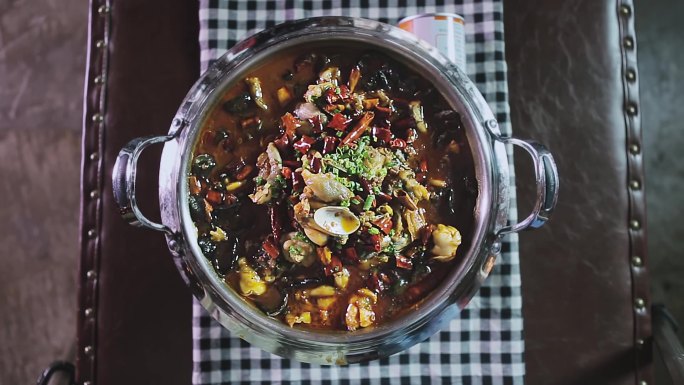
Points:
x=123, y=182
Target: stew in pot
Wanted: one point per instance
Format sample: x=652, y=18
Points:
x=331, y=188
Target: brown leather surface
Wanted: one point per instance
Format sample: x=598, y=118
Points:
x=568, y=64
x=135, y=319
x=568, y=89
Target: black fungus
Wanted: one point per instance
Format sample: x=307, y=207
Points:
x=238, y=104
x=196, y=208
x=208, y=247
x=203, y=164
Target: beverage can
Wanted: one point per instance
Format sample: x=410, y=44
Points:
x=445, y=31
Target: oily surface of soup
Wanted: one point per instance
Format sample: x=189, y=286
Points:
x=331, y=187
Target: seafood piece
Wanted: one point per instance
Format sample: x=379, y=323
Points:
x=302, y=214
x=325, y=187
x=270, y=166
x=303, y=318
x=360, y=310
x=415, y=221
x=446, y=239
x=336, y=220
x=299, y=252
x=405, y=199
x=341, y=278
x=250, y=281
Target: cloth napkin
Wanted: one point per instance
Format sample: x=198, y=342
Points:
x=484, y=344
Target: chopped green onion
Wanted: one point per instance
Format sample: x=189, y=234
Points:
x=373, y=231
x=369, y=202
x=355, y=201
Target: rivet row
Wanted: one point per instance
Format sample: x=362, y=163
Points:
x=634, y=148
x=103, y=10
x=91, y=233
x=625, y=10
x=634, y=224
x=637, y=261
x=631, y=109
x=639, y=304
x=628, y=42
x=630, y=75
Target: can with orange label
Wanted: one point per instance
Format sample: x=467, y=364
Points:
x=445, y=31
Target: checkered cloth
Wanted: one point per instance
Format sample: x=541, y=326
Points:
x=484, y=345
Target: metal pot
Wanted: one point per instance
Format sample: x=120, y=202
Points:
x=491, y=208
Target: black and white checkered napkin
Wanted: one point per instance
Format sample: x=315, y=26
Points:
x=484, y=344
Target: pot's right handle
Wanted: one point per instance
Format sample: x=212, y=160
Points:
x=546, y=177
x=123, y=182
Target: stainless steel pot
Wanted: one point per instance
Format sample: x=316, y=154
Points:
x=491, y=209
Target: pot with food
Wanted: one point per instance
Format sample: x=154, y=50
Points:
x=334, y=190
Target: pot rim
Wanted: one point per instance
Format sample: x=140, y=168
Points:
x=491, y=168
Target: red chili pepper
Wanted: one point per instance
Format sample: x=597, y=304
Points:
x=383, y=197
x=304, y=144
x=382, y=134
x=334, y=266
x=339, y=122
x=287, y=172
x=270, y=248
x=375, y=241
x=274, y=212
x=214, y=197
x=425, y=234
x=404, y=262
x=329, y=144
x=293, y=164
x=316, y=165
x=411, y=135
x=383, y=111
x=344, y=92
x=290, y=124
x=282, y=143
x=384, y=224
x=365, y=185
x=235, y=166
x=398, y=144
x=359, y=129
x=297, y=181
x=245, y=172
x=250, y=123
x=350, y=255
x=316, y=124
x=230, y=199
x=354, y=77
x=423, y=165
x=331, y=96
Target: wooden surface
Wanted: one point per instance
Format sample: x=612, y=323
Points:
x=42, y=61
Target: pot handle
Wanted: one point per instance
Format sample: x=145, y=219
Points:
x=123, y=182
x=546, y=177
